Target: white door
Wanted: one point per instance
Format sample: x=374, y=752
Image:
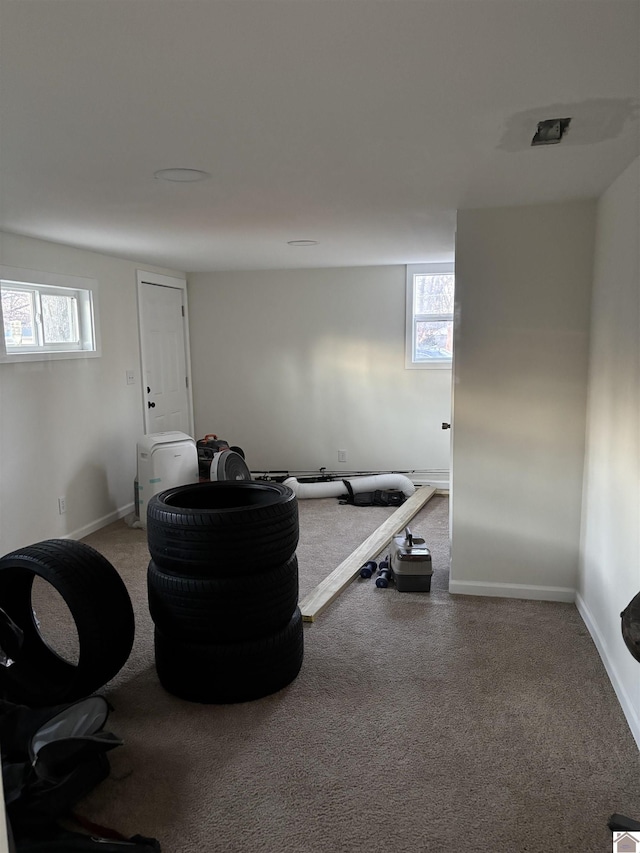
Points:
x=164, y=356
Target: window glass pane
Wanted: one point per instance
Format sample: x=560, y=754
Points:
x=434, y=339
x=19, y=318
x=59, y=319
x=44, y=318
x=434, y=294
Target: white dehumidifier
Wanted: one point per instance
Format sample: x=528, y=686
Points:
x=165, y=459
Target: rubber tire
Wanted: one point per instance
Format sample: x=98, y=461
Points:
x=631, y=626
x=223, y=528
x=233, y=672
x=101, y=609
x=219, y=610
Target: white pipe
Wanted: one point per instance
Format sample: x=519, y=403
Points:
x=335, y=488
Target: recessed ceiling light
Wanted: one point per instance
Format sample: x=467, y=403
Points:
x=181, y=176
x=302, y=243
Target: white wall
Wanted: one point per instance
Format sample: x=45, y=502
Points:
x=610, y=554
x=294, y=365
x=70, y=427
x=523, y=282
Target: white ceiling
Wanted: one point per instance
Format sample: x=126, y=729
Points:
x=362, y=124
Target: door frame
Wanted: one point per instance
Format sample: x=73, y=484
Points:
x=159, y=280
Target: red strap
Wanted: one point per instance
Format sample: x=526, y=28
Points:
x=101, y=831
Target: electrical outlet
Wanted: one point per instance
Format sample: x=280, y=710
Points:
x=342, y=456
x=62, y=505
x=131, y=377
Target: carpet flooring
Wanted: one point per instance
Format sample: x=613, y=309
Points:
x=419, y=722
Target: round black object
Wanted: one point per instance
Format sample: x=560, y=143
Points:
x=101, y=609
x=631, y=626
x=222, y=528
x=234, y=672
x=242, y=607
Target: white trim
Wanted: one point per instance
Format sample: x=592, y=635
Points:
x=88, y=308
x=564, y=594
x=513, y=590
x=146, y=277
x=99, y=523
x=626, y=704
x=411, y=270
x=439, y=479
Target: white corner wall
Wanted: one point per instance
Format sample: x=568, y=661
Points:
x=610, y=554
x=295, y=365
x=69, y=428
x=523, y=284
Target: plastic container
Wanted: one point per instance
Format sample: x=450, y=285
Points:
x=411, y=563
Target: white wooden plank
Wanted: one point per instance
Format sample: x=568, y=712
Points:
x=331, y=587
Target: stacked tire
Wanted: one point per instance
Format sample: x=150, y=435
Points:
x=223, y=589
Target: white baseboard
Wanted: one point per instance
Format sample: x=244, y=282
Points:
x=513, y=590
x=117, y=514
x=626, y=704
x=99, y=523
x=438, y=479
x=551, y=593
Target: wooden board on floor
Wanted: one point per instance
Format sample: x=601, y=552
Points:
x=331, y=587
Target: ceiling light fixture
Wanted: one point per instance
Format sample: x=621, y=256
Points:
x=181, y=176
x=550, y=131
x=302, y=243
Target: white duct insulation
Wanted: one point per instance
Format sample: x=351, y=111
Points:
x=335, y=488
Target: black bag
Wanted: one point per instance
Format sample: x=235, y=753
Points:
x=63, y=841
x=379, y=497
x=51, y=758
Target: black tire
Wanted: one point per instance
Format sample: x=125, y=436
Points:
x=234, y=672
x=101, y=609
x=222, y=528
x=228, y=609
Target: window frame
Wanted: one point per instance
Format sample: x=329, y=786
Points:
x=412, y=318
x=84, y=290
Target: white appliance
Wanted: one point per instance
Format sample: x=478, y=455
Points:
x=165, y=459
x=228, y=465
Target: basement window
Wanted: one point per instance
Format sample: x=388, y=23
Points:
x=429, y=326
x=47, y=316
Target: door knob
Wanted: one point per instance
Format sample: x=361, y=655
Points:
x=446, y=426
x=148, y=390
x=151, y=405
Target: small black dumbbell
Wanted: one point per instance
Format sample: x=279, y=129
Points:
x=369, y=569
x=385, y=574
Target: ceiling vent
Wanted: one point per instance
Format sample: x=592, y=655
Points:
x=550, y=131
